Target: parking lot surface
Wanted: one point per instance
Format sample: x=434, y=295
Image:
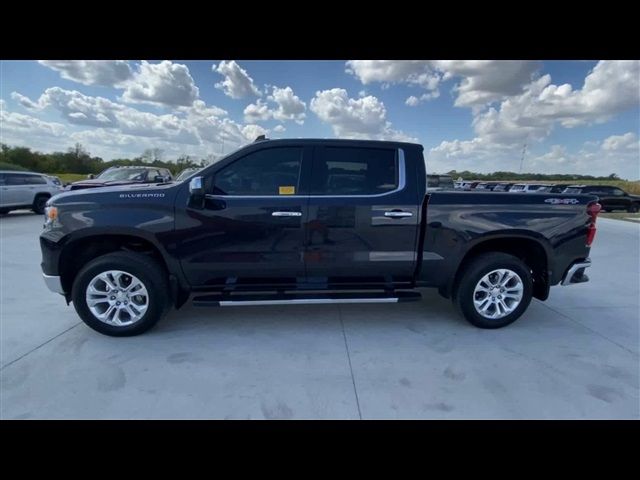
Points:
x=574, y=356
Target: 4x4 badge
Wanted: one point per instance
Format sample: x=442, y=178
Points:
x=562, y=201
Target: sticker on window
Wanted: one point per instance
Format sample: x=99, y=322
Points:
x=286, y=190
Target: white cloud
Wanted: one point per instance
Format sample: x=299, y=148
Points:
x=482, y=81
x=188, y=129
x=418, y=72
x=26, y=102
x=279, y=129
x=365, y=117
x=237, y=83
x=286, y=106
x=621, y=142
x=616, y=154
x=251, y=132
x=414, y=101
x=485, y=81
x=92, y=72
x=163, y=83
x=290, y=107
x=257, y=112
x=612, y=87
x=18, y=123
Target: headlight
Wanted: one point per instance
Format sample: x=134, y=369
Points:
x=50, y=215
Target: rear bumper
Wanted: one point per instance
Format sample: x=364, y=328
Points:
x=53, y=283
x=575, y=273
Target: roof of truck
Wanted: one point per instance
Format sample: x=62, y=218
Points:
x=372, y=143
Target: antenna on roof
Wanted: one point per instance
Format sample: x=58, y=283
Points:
x=260, y=138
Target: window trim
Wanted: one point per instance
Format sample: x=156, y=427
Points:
x=402, y=183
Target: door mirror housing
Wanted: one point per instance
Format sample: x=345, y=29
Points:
x=196, y=192
x=158, y=179
x=91, y=176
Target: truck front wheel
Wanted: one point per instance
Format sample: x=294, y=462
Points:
x=121, y=294
x=494, y=290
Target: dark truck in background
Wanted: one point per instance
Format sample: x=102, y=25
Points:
x=305, y=222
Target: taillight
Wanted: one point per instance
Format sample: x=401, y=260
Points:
x=593, y=209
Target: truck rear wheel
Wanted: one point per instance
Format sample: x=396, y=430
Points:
x=121, y=294
x=494, y=290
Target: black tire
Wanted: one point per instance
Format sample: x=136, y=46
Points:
x=39, y=204
x=633, y=208
x=145, y=268
x=473, y=273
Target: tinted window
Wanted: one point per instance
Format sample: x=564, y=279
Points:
x=354, y=171
x=35, y=180
x=597, y=189
x=22, y=179
x=273, y=171
x=617, y=192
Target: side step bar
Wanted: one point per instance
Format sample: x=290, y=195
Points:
x=231, y=300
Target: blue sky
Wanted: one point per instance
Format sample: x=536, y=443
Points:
x=574, y=116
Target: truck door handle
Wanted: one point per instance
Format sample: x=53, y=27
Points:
x=398, y=214
x=286, y=214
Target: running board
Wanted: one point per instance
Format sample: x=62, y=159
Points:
x=218, y=300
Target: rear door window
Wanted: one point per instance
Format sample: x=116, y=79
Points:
x=354, y=171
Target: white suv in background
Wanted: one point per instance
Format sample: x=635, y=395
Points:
x=530, y=188
x=26, y=190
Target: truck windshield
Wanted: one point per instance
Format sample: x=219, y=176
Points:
x=123, y=174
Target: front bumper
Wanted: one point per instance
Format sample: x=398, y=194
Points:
x=53, y=283
x=575, y=273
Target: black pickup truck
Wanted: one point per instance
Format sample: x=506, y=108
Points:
x=305, y=222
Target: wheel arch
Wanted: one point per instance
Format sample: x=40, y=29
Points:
x=85, y=246
x=533, y=251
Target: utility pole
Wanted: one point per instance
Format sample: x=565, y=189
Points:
x=524, y=150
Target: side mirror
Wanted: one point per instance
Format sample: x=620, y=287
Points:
x=196, y=192
x=91, y=176
x=158, y=179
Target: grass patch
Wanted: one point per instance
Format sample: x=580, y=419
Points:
x=70, y=177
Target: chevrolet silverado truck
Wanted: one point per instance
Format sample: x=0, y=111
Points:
x=308, y=222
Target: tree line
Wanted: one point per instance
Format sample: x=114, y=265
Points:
x=78, y=160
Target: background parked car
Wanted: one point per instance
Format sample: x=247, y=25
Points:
x=611, y=198
x=489, y=186
x=26, y=190
x=558, y=187
x=115, y=176
x=465, y=185
x=439, y=182
x=529, y=188
x=186, y=173
x=503, y=187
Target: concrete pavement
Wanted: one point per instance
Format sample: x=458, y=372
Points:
x=574, y=356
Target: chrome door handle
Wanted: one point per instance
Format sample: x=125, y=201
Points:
x=286, y=214
x=398, y=214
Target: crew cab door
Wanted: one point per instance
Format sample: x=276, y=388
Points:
x=363, y=217
x=249, y=231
